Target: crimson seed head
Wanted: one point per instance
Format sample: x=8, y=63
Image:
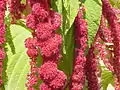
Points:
x=44, y=31
x=2, y=30
x=59, y=81
x=40, y=11
x=76, y=86
x=2, y=5
x=2, y=54
x=55, y=19
x=48, y=71
x=2, y=40
x=31, y=21
x=32, y=80
x=31, y=43
x=32, y=53
x=78, y=75
x=44, y=87
x=52, y=47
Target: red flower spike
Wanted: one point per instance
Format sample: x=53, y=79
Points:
x=32, y=53
x=2, y=54
x=48, y=42
x=44, y=3
x=91, y=70
x=48, y=71
x=78, y=75
x=2, y=30
x=31, y=43
x=31, y=21
x=44, y=31
x=52, y=46
x=2, y=36
x=44, y=87
x=55, y=20
x=53, y=58
x=32, y=80
x=59, y=81
x=15, y=9
x=111, y=14
x=2, y=5
x=39, y=11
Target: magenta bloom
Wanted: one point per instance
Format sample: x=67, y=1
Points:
x=78, y=75
x=44, y=22
x=55, y=20
x=52, y=46
x=15, y=8
x=2, y=54
x=48, y=71
x=39, y=11
x=59, y=81
x=31, y=43
x=44, y=31
x=2, y=36
x=31, y=21
x=32, y=53
x=111, y=14
x=44, y=87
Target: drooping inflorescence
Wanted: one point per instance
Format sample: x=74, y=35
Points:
x=16, y=8
x=78, y=75
x=2, y=36
x=112, y=16
x=46, y=42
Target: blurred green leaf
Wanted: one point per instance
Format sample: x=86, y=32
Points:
x=107, y=78
x=93, y=13
x=17, y=65
x=68, y=9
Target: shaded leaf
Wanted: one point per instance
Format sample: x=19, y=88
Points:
x=107, y=78
x=18, y=63
x=93, y=13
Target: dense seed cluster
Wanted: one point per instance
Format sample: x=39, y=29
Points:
x=2, y=36
x=98, y=52
x=15, y=7
x=43, y=23
x=78, y=75
x=112, y=16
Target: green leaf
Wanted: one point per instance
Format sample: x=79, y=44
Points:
x=68, y=10
x=17, y=65
x=67, y=61
x=93, y=13
x=107, y=78
x=8, y=34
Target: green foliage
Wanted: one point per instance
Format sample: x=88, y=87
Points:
x=93, y=13
x=107, y=78
x=68, y=9
x=17, y=62
x=17, y=65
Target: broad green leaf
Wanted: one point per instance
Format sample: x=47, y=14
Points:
x=68, y=9
x=17, y=65
x=93, y=13
x=57, y=5
x=107, y=78
x=67, y=61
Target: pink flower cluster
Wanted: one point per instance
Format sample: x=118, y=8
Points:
x=46, y=42
x=45, y=3
x=78, y=75
x=15, y=8
x=91, y=70
x=2, y=35
x=98, y=52
x=111, y=15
